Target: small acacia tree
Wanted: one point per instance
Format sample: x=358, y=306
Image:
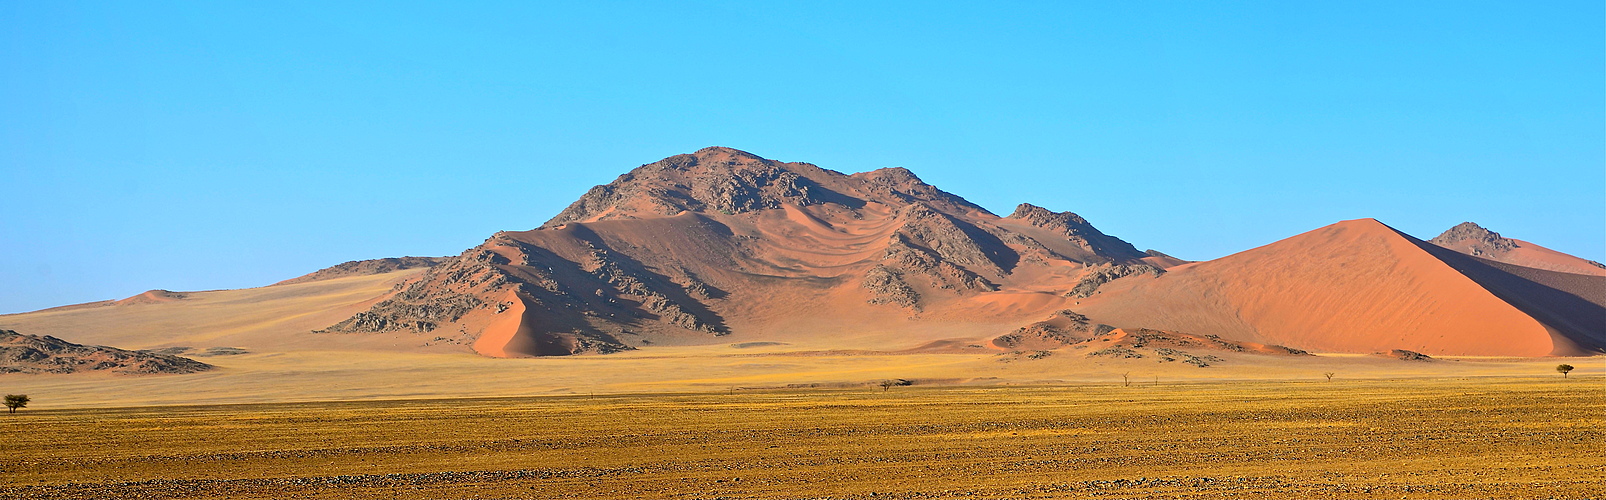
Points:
x=14, y=401
x=1564, y=368
x=1329, y=376
x=887, y=384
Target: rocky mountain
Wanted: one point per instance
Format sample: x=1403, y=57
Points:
x=1472, y=239
x=723, y=242
x=22, y=353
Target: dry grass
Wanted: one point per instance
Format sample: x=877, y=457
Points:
x=1421, y=438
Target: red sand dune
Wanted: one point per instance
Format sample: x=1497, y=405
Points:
x=1357, y=286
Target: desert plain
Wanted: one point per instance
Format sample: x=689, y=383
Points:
x=1419, y=437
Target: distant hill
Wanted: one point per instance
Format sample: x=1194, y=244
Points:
x=22, y=353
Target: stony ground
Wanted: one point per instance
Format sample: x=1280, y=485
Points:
x=1425, y=438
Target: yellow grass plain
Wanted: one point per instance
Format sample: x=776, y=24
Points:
x=1482, y=437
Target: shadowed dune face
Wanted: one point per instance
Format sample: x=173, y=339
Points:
x=1571, y=306
x=1355, y=286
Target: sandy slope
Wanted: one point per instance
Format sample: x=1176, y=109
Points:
x=275, y=318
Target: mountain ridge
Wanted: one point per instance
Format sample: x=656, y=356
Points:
x=599, y=276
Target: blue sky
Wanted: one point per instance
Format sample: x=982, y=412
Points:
x=208, y=145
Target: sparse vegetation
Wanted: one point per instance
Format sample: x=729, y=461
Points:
x=14, y=401
x=1564, y=368
x=1329, y=376
x=890, y=383
x=1209, y=441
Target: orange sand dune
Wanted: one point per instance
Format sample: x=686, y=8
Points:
x=1355, y=286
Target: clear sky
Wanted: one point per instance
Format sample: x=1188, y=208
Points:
x=207, y=145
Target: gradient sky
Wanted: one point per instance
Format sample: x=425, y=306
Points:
x=208, y=145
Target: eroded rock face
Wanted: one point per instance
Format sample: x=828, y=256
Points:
x=22, y=353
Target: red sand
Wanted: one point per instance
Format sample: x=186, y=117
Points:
x=1356, y=286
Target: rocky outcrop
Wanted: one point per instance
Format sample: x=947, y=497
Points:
x=1079, y=232
x=1098, y=275
x=1479, y=241
x=1404, y=355
x=366, y=268
x=35, y=354
x=1168, y=346
x=1064, y=328
x=886, y=286
x=444, y=294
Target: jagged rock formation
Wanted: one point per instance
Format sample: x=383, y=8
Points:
x=33, y=354
x=679, y=250
x=365, y=267
x=1474, y=240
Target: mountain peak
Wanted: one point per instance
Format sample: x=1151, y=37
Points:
x=1042, y=217
x=731, y=181
x=1078, y=230
x=712, y=179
